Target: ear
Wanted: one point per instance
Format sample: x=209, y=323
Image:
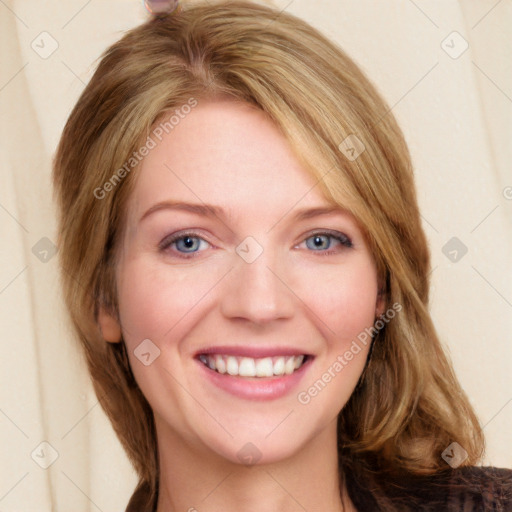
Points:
x=380, y=304
x=109, y=326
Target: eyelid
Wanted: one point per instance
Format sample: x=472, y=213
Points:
x=339, y=235
x=345, y=242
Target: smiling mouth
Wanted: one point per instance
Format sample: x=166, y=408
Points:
x=253, y=367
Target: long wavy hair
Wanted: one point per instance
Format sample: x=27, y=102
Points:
x=408, y=406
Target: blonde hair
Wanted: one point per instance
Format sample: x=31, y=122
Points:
x=408, y=406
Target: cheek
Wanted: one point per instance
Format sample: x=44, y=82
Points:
x=343, y=298
x=155, y=300
x=344, y=302
x=161, y=304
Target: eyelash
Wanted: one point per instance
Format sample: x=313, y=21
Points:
x=336, y=235
x=343, y=239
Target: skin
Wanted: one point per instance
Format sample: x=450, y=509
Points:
x=230, y=155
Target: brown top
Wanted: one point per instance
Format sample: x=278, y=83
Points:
x=466, y=489
x=469, y=489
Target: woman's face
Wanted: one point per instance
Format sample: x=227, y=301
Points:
x=241, y=290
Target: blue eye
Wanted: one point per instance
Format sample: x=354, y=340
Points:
x=318, y=242
x=324, y=241
x=187, y=243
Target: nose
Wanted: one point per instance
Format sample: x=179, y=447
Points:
x=257, y=292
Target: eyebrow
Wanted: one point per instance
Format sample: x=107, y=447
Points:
x=308, y=213
x=208, y=210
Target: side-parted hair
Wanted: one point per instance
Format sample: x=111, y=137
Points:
x=408, y=406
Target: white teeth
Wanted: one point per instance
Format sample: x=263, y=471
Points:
x=231, y=365
x=250, y=367
x=220, y=364
x=289, y=366
x=247, y=367
x=264, y=367
x=279, y=366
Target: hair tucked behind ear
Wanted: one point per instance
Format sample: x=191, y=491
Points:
x=409, y=406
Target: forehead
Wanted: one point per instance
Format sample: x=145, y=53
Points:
x=227, y=153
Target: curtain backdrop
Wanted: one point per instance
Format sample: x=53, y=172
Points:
x=454, y=104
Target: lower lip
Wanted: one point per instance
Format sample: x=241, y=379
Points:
x=256, y=388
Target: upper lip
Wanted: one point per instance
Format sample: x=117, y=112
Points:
x=251, y=351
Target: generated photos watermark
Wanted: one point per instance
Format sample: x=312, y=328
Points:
x=342, y=360
x=157, y=134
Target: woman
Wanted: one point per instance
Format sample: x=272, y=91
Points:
x=247, y=273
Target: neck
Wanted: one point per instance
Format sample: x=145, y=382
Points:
x=194, y=479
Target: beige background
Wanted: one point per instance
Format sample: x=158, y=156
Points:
x=457, y=117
